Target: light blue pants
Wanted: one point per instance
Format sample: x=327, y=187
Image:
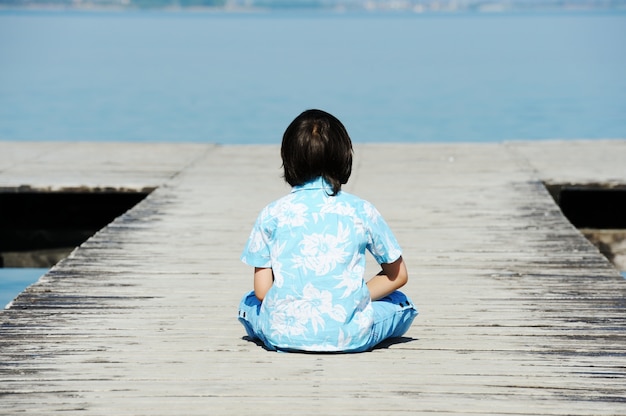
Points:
x=393, y=315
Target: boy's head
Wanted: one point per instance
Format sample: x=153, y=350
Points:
x=316, y=144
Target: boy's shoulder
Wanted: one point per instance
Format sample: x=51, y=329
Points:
x=281, y=202
x=363, y=207
x=353, y=199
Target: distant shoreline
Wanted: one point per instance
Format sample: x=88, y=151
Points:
x=368, y=7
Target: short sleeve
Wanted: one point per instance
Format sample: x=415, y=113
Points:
x=381, y=241
x=256, y=252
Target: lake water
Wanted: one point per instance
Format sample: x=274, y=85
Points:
x=241, y=78
x=14, y=281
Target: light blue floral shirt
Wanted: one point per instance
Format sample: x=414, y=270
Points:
x=315, y=245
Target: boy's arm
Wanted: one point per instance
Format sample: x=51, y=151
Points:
x=392, y=277
x=263, y=280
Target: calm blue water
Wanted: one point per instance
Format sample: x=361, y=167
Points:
x=241, y=78
x=14, y=281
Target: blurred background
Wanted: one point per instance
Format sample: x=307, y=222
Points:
x=238, y=71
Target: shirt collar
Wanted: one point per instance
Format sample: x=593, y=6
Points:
x=317, y=183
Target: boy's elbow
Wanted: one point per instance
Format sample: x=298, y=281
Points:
x=396, y=272
x=403, y=275
x=402, y=279
x=260, y=293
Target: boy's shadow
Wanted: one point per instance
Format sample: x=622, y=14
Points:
x=383, y=345
x=393, y=341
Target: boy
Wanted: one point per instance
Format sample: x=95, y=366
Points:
x=308, y=253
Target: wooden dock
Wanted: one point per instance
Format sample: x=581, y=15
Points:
x=519, y=314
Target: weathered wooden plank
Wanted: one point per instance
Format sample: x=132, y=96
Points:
x=519, y=314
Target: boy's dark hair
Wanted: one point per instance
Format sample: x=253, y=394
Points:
x=316, y=144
